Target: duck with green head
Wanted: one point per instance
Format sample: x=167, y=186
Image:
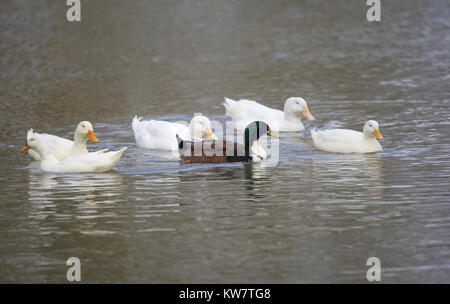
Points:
x=222, y=151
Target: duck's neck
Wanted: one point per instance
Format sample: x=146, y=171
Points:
x=79, y=144
x=368, y=136
x=256, y=149
x=289, y=115
x=253, y=147
x=195, y=134
x=247, y=141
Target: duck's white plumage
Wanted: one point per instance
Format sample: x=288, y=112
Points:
x=61, y=147
x=161, y=135
x=245, y=111
x=348, y=141
x=100, y=161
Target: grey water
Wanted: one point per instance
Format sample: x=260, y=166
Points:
x=315, y=217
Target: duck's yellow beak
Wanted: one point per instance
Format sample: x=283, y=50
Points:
x=307, y=114
x=270, y=133
x=210, y=134
x=377, y=134
x=91, y=136
x=24, y=148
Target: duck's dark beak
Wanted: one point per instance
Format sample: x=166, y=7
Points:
x=24, y=148
x=270, y=133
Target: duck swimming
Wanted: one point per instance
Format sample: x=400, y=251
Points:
x=61, y=147
x=161, y=135
x=349, y=141
x=245, y=111
x=99, y=161
x=222, y=151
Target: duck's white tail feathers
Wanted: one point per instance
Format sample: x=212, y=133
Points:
x=135, y=123
x=120, y=152
x=117, y=155
x=101, y=151
x=230, y=107
x=316, y=139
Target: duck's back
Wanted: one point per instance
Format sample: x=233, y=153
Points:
x=158, y=134
x=99, y=161
x=60, y=147
x=344, y=141
x=212, y=151
x=246, y=111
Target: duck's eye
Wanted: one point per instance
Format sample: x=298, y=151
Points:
x=83, y=126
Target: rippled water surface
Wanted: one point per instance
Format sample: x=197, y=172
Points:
x=315, y=217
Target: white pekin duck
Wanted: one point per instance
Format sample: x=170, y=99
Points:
x=349, y=141
x=245, y=111
x=99, y=161
x=161, y=135
x=61, y=147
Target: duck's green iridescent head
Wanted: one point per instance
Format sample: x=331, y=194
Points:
x=257, y=129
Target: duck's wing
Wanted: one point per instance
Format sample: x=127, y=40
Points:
x=337, y=140
x=99, y=161
x=339, y=135
x=245, y=111
x=211, y=151
x=158, y=134
x=59, y=146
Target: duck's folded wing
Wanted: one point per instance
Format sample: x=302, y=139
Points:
x=158, y=134
x=256, y=111
x=91, y=162
x=59, y=146
x=339, y=136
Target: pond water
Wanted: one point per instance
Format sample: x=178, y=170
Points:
x=315, y=217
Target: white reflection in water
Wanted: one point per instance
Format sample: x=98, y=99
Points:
x=69, y=197
x=362, y=174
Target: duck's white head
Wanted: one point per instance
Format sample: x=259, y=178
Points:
x=84, y=131
x=201, y=126
x=295, y=106
x=371, y=129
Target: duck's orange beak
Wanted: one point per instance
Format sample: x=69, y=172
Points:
x=91, y=136
x=377, y=134
x=210, y=134
x=307, y=114
x=24, y=148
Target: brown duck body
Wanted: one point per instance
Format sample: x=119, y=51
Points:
x=190, y=151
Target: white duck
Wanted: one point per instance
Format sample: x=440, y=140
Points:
x=349, y=141
x=245, y=111
x=62, y=147
x=161, y=135
x=99, y=161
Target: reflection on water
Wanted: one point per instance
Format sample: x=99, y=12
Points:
x=350, y=169
x=315, y=217
x=52, y=198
